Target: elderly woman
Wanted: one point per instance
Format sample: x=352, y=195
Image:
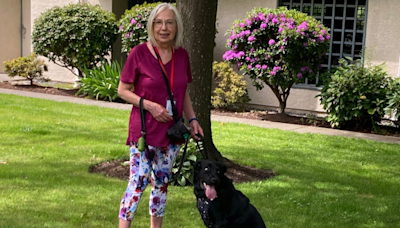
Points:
x=142, y=72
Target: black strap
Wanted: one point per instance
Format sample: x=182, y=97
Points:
x=171, y=97
x=142, y=117
x=201, y=148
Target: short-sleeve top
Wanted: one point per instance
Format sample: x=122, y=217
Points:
x=143, y=70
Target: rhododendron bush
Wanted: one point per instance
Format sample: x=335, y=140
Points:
x=277, y=47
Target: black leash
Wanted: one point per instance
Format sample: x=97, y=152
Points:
x=202, y=147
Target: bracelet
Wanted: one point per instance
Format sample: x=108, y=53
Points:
x=193, y=119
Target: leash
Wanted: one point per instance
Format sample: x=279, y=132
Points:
x=202, y=147
x=142, y=145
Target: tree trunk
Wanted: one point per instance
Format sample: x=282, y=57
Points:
x=199, y=33
x=281, y=94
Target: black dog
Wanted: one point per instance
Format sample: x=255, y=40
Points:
x=219, y=203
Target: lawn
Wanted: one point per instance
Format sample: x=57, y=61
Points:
x=46, y=148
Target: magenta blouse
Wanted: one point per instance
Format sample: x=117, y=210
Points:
x=143, y=70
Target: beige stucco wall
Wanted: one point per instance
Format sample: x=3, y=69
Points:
x=300, y=100
x=383, y=33
x=56, y=72
x=10, y=30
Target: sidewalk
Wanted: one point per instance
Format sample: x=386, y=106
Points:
x=258, y=123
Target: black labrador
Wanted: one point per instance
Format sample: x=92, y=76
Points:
x=219, y=203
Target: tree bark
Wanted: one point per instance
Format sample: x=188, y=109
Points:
x=199, y=19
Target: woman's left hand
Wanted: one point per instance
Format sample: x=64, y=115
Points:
x=195, y=128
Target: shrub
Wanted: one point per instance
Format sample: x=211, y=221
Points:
x=230, y=87
x=355, y=95
x=278, y=47
x=185, y=177
x=394, y=100
x=102, y=82
x=133, y=25
x=75, y=36
x=30, y=67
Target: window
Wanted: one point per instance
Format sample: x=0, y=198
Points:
x=346, y=20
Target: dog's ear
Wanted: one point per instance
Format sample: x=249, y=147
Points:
x=197, y=165
x=221, y=166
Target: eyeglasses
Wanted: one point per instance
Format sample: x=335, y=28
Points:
x=168, y=23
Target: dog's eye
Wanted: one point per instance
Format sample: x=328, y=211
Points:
x=217, y=171
x=205, y=169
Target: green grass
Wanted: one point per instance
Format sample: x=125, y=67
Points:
x=46, y=148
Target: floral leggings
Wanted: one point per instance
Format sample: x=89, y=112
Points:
x=140, y=169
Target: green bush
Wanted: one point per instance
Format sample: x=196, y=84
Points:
x=230, y=87
x=185, y=177
x=355, y=95
x=75, y=36
x=394, y=100
x=102, y=82
x=133, y=25
x=30, y=67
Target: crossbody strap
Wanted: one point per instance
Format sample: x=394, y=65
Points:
x=171, y=97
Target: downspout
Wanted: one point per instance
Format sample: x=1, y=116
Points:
x=77, y=79
x=23, y=30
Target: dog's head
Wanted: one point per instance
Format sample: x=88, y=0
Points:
x=207, y=177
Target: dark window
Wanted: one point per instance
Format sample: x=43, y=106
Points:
x=346, y=20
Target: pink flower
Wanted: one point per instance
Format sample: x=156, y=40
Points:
x=258, y=66
x=275, y=21
x=264, y=67
x=271, y=42
x=273, y=73
x=281, y=30
x=127, y=35
x=263, y=25
x=133, y=21
x=283, y=47
x=121, y=27
x=40, y=39
x=250, y=67
x=139, y=25
x=305, y=44
x=299, y=75
x=242, y=25
x=248, y=22
x=310, y=71
x=250, y=39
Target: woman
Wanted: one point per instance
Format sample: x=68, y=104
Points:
x=142, y=71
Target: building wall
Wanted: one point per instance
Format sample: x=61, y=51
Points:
x=383, y=33
x=10, y=30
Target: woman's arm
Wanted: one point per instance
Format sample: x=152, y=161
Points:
x=158, y=111
x=189, y=113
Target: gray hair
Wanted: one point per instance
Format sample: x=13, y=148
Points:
x=177, y=42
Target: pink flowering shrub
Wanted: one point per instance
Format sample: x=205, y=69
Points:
x=133, y=25
x=277, y=47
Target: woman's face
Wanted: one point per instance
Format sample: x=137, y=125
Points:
x=164, y=27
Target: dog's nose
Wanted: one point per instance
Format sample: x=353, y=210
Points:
x=214, y=180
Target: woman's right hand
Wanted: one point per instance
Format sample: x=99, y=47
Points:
x=158, y=111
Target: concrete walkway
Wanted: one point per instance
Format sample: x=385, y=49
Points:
x=258, y=123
